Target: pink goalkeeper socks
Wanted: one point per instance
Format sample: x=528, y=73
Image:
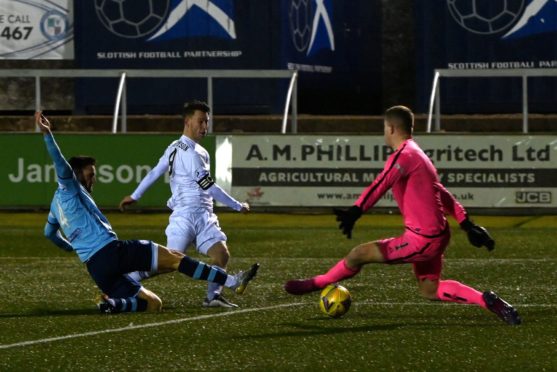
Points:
x=337, y=273
x=453, y=291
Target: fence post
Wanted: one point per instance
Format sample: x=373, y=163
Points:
x=125, y=107
x=121, y=88
x=438, y=107
x=295, y=105
x=37, y=97
x=524, y=104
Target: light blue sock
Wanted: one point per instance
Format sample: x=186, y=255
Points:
x=139, y=275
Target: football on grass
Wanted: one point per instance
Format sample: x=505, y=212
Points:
x=335, y=300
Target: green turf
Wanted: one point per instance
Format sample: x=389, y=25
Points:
x=47, y=293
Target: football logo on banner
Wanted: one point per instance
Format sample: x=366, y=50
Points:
x=167, y=19
x=132, y=19
x=54, y=25
x=512, y=16
x=311, y=26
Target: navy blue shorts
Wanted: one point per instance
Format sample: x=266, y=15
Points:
x=109, y=266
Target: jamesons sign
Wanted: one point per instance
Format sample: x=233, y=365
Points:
x=39, y=173
x=29, y=179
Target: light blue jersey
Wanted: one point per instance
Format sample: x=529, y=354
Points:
x=74, y=211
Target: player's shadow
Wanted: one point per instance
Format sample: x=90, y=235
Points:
x=51, y=313
x=46, y=312
x=305, y=330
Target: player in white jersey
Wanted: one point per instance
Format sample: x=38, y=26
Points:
x=193, y=190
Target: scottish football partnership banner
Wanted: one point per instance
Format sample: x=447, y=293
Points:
x=36, y=29
x=486, y=34
x=175, y=34
x=335, y=45
x=481, y=171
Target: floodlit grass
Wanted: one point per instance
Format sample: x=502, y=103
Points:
x=47, y=293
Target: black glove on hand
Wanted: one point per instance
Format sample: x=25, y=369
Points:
x=347, y=219
x=477, y=235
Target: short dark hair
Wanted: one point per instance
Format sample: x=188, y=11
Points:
x=402, y=117
x=79, y=162
x=191, y=107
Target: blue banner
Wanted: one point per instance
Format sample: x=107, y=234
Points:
x=181, y=34
x=333, y=39
x=476, y=34
x=336, y=46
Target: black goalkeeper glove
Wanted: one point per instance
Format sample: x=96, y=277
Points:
x=347, y=219
x=477, y=235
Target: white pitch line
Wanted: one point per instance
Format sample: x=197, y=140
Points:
x=220, y=315
x=147, y=325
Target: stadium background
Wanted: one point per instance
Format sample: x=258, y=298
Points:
x=373, y=55
x=385, y=53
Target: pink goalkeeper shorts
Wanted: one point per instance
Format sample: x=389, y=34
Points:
x=425, y=253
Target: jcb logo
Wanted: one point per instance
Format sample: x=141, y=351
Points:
x=533, y=197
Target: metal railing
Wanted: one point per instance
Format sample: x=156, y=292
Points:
x=121, y=101
x=435, y=98
x=123, y=75
x=291, y=95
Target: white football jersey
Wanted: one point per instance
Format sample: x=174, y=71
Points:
x=188, y=165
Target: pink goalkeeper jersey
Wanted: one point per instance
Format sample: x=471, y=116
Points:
x=421, y=198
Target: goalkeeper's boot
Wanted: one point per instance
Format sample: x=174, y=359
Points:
x=501, y=308
x=301, y=286
x=244, y=277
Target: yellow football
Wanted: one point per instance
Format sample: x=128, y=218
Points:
x=335, y=300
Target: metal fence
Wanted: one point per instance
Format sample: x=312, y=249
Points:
x=120, y=106
x=435, y=98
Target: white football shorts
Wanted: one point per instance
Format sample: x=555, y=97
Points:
x=200, y=228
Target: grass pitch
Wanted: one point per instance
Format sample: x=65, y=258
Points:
x=48, y=320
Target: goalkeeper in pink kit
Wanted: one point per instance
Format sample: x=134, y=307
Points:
x=423, y=202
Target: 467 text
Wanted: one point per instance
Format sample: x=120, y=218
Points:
x=16, y=33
